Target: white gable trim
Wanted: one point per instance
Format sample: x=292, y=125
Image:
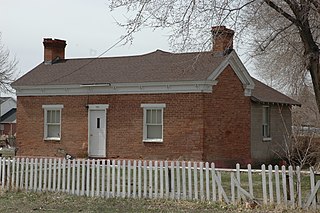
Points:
x=234, y=61
x=118, y=88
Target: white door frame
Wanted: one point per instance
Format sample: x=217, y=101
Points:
x=95, y=107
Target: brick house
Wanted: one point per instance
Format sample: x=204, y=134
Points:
x=200, y=106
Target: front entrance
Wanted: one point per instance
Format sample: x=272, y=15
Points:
x=97, y=130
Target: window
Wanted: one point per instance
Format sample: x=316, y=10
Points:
x=266, y=122
x=52, y=122
x=153, y=122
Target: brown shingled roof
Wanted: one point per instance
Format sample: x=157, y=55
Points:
x=265, y=94
x=158, y=66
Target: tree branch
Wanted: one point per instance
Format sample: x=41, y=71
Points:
x=281, y=11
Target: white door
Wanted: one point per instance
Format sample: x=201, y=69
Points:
x=97, y=133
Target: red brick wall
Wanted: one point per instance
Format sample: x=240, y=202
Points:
x=227, y=123
x=213, y=127
x=183, y=126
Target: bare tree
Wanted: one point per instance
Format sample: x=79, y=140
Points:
x=7, y=69
x=277, y=31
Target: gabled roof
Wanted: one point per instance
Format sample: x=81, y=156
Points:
x=9, y=117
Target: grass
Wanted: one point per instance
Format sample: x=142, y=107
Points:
x=57, y=202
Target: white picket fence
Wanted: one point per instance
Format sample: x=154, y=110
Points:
x=162, y=179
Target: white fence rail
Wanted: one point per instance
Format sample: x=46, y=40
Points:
x=162, y=179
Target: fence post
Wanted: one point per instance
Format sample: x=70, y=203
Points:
x=156, y=179
x=213, y=174
x=291, y=186
x=239, y=181
x=189, y=181
x=178, y=179
x=250, y=180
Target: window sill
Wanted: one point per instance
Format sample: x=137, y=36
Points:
x=153, y=140
x=266, y=139
x=52, y=139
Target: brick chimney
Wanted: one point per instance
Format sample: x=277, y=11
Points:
x=222, y=39
x=53, y=50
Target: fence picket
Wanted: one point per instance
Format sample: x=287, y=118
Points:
x=270, y=184
x=13, y=173
x=129, y=179
x=8, y=174
x=312, y=184
x=98, y=179
x=31, y=174
x=113, y=187
x=291, y=187
x=178, y=180
x=63, y=175
x=83, y=176
x=156, y=179
x=171, y=171
x=284, y=185
x=184, y=191
x=54, y=175
x=299, y=186
x=123, y=179
x=103, y=176
x=264, y=184
x=93, y=165
x=139, y=179
x=88, y=178
x=108, y=179
x=68, y=175
x=145, y=179
x=73, y=178
x=26, y=172
x=201, y=181
x=195, y=180
x=118, y=177
x=150, y=179
x=207, y=182
x=59, y=174
x=17, y=173
x=134, y=179
x=78, y=177
x=35, y=181
x=189, y=181
x=161, y=179
x=213, y=175
x=167, y=184
x=277, y=181
x=50, y=175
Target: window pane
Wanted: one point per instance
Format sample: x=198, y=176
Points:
x=53, y=131
x=154, y=132
x=148, y=116
x=49, y=116
x=57, y=120
x=154, y=116
x=159, y=116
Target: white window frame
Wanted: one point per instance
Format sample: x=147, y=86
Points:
x=150, y=107
x=266, y=124
x=46, y=109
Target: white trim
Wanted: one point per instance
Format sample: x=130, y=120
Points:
x=99, y=107
x=148, y=107
x=56, y=106
x=240, y=70
x=45, y=129
x=117, y=88
x=153, y=106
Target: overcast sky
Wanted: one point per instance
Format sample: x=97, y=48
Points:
x=88, y=27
